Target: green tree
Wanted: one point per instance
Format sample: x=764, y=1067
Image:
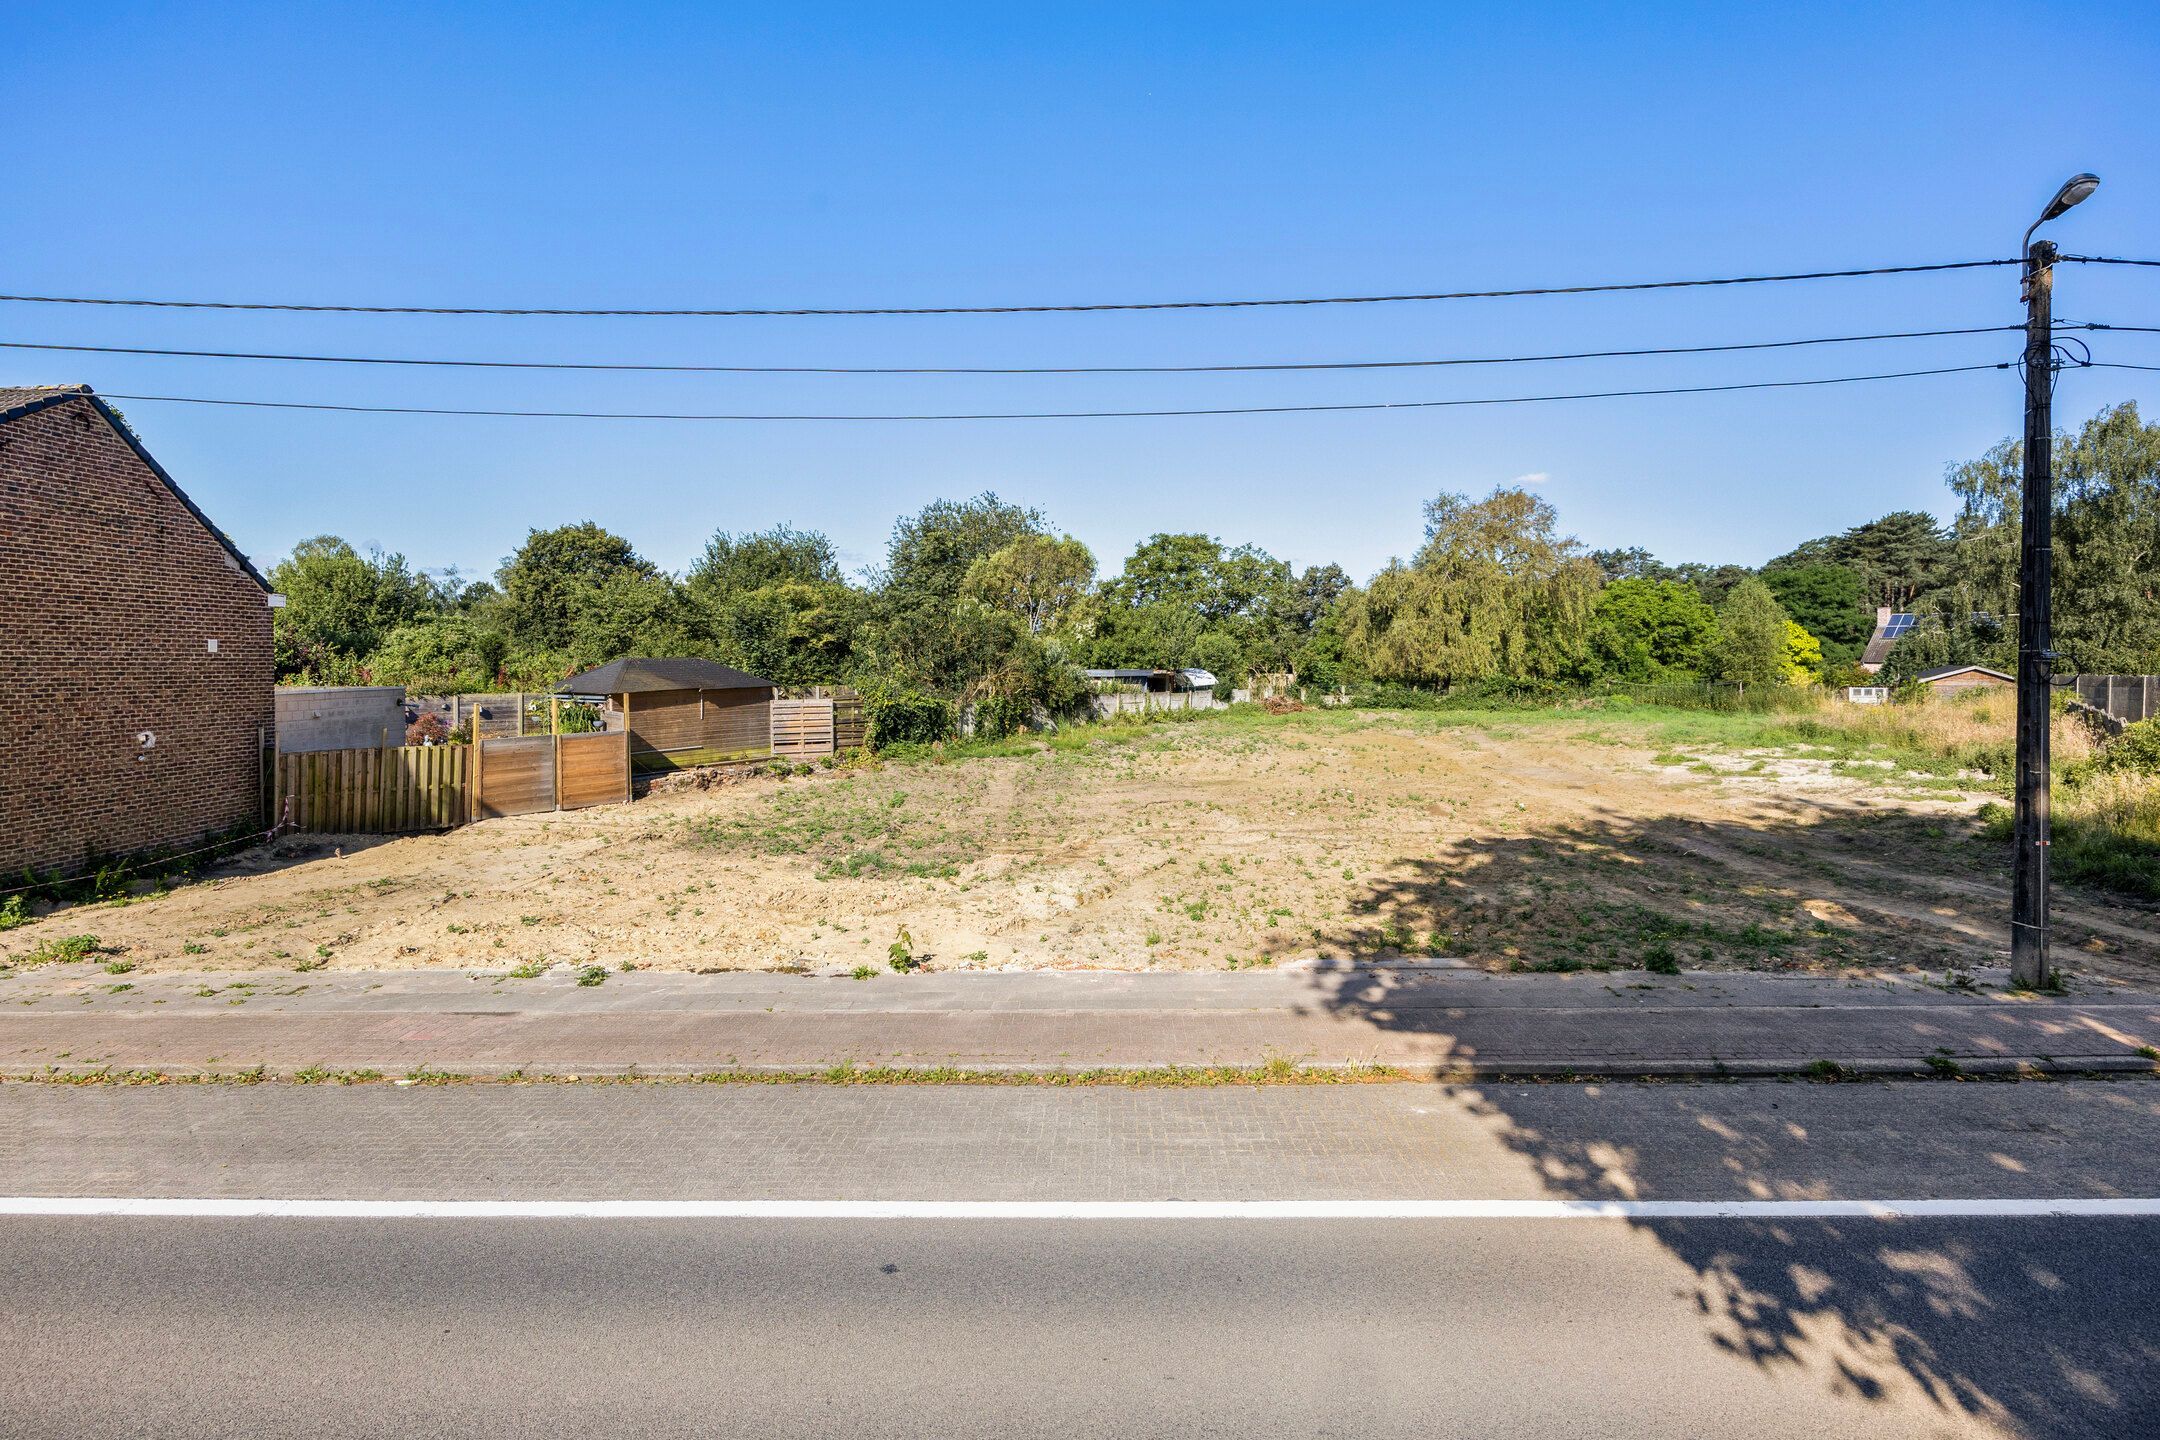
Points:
x=1652, y=629
x=1803, y=656
x=933, y=550
x=1899, y=558
x=2106, y=543
x=1830, y=602
x=339, y=604
x=1752, y=646
x=554, y=578
x=1038, y=578
x=1188, y=600
x=1495, y=590
x=441, y=655
x=736, y=564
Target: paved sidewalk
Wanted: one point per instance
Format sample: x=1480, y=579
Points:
x=1425, y=1020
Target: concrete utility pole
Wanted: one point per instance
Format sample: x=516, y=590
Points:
x=2036, y=656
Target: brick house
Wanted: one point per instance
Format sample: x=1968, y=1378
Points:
x=135, y=652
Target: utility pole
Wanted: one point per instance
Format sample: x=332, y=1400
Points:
x=2035, y=667
x=2036, y=655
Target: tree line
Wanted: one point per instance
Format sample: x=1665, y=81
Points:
x=984, y=602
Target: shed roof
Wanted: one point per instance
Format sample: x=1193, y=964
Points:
x=1946, y=671
x=19, y=400
x=641, y=676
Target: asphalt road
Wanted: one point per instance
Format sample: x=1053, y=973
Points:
x=1184, y=1327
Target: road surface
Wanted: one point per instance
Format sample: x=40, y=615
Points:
x=1214, y=1315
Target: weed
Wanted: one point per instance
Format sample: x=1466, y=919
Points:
x=1826, y=1070
x=119, y=967
x=14, y=911
x=1941, y=1063
x=54, y=952
x=901, y=953
x=1660, y=959
x=592, y=975
x=862, y=972
x=192, y=948
x=530, y=969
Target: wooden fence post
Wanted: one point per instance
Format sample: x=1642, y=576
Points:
x=555, y=742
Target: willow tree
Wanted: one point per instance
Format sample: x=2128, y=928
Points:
x=1495, y=591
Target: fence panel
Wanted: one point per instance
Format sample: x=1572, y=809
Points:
x=516, y=777
x=851, y=724
x=802, y=728
x=592, y=769
x=374, y=791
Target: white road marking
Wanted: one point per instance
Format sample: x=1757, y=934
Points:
x=273, y=1209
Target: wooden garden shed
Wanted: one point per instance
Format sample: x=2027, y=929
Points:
x=681, y=712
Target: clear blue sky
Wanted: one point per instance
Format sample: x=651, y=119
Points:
x=719, y=155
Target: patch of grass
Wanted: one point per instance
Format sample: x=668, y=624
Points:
x=1826, y=1070
x=1942, y=1064
x=61, y=951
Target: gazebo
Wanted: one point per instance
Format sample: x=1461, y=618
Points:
x=681, y=711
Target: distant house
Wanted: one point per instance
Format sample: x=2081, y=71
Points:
x=681, y=711
x=135, y=652
x=1891, y=626
x=1951, y=679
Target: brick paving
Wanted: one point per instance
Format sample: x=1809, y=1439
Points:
x=1424, y=1021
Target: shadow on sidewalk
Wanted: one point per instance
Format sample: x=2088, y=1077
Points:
x=1871, y=1310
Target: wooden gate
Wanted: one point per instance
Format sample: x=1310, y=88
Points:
x=386, y=791
x=514, y=776
x=592, y=769
x=802, y=728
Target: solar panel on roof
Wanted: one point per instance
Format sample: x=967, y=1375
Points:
x=1897, y=625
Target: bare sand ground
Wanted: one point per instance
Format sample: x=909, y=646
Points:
x=1508, y=842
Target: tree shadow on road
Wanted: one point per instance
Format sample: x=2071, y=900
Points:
x=1954, y=1315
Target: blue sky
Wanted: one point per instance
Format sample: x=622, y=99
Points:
x=832, y=156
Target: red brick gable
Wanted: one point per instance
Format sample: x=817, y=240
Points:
x=126, y=731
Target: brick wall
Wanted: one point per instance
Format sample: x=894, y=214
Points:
x=110, y=594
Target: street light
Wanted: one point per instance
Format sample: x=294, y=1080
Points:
x=2075, y=189
x=2036, y=657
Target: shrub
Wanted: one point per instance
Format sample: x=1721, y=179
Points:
x=2136, y=751
x=14, y=911
x=429, y=729
x=907, y=718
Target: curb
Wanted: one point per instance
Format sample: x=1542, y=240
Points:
x=1165, y=1073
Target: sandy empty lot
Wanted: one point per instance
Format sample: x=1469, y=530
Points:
x=1531, y=841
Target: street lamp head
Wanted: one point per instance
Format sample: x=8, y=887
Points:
x=2075, y=189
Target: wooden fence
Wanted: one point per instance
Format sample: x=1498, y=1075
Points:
x=386, y=791
x=401, y=789
x=802, y=728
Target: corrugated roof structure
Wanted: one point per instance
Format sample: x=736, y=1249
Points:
x=644, y=676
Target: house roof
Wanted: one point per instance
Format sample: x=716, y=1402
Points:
x=21, y=400
x=1946, y=671
x=641, y=676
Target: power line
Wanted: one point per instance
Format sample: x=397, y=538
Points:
x=2106, y=260
x=1005, y=309
x=2114, y=365
x=1300, y=365
x=1061, y=414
